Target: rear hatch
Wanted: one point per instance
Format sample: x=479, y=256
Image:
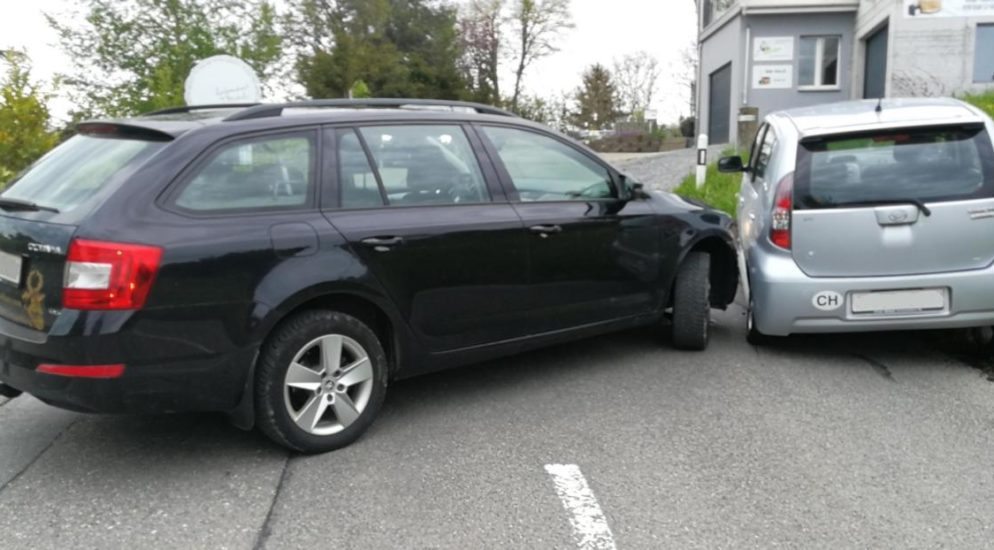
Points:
x=895, y=202
x=40, y=211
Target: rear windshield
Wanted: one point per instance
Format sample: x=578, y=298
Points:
x=925, y=164
x=74, y=171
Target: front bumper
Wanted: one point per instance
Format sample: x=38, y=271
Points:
x=783, y=299
x=168, y=367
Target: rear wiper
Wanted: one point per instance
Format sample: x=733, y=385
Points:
x=17, y=204
x=917, y=202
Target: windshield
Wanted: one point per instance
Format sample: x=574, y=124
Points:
x=76, y=170
x=925, y=164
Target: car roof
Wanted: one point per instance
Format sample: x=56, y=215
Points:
x=172, y=123
x=856, y=116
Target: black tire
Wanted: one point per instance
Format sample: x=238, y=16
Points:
x=289, y=338
x=753, y=336
x=692, y=303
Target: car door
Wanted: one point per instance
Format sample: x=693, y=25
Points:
x=593, y=257
x=754, y=189
x=431, y=223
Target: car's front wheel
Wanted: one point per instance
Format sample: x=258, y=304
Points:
x=692, y=303
x=320, y=381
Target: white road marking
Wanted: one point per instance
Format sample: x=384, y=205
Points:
x=589, y=524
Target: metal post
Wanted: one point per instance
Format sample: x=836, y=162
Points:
x=702, y=159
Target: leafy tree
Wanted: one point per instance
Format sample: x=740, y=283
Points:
x=537, y=25
x=24, y=117
x=399, y=48
x=482, y=34
x=134, y=56
x=359, y=90
x=597, y=99
x=636, y=76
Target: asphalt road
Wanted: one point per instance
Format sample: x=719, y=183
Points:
x=849, y=441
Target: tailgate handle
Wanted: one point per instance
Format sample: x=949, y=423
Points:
x=897, y=215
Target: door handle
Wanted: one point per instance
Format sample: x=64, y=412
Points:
x=382, y=244
x=545, y=229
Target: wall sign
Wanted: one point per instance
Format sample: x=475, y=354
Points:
x=773, y=48
x=948, y=8
x=772, y=77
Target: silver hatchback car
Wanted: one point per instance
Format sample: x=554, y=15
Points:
x=869, y=215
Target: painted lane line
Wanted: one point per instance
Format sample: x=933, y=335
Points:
x=589, y=524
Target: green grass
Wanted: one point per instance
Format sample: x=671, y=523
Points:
x=721, y=191
x=984, y=101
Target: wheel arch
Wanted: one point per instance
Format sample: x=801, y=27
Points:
x=724, y=273
x=371, y=310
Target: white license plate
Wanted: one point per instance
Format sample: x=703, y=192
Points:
x=900, y=301
x=10, y=268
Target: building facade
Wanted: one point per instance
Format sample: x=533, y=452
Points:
x=766, y=55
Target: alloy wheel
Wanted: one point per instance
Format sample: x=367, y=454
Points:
x=328, y=384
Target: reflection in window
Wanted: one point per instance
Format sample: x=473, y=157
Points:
x=357, y=182
x=426, y=164
x=544, y=169
x=264, y=173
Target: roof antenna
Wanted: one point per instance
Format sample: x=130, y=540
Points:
x=880, y=105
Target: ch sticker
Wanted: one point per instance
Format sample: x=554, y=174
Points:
x=34, y=299
x=827, y=300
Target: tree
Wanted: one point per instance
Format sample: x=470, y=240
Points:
x=134, y=56
x=597, y=99
x=481, y=33
x=636, y=76
x=537, y=26
x=684, y=72
x=24, y=117
x=399, y=48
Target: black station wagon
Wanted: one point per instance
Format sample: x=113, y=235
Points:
x=283, y=263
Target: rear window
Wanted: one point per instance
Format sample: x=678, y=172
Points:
x=76, y=170
x=926, y=164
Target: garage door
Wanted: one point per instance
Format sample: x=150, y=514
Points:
x=875, y=75
x=720, y=104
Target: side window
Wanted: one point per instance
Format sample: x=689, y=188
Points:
x=426, y=164
x=357, y=183
x=764, y=154
x=545, y=169
x=270, y=172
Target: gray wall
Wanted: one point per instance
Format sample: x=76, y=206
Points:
x=843, y=24
x=720, y=48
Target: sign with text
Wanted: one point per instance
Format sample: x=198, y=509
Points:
x=772, y=77
x=949, y=8
x=773, y=48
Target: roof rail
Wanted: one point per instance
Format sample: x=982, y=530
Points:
x=276, y=109
x=191, y=108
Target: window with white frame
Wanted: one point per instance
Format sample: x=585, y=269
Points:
x=819, y=58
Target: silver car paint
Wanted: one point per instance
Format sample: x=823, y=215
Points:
x=841, y=251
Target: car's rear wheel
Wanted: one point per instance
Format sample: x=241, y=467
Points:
x=692, y=303
x=320, y=382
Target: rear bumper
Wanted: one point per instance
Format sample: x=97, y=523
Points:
x=163, y=373
x=783, y=298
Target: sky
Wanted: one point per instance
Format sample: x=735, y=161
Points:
x=604, y=31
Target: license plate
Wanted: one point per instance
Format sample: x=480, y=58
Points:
x=900, y=301
x=10, y=268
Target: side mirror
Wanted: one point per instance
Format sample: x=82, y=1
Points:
x=628, y=188
x=732, y=165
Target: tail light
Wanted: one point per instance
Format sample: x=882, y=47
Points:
x=783, y=208
x=102, y=275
